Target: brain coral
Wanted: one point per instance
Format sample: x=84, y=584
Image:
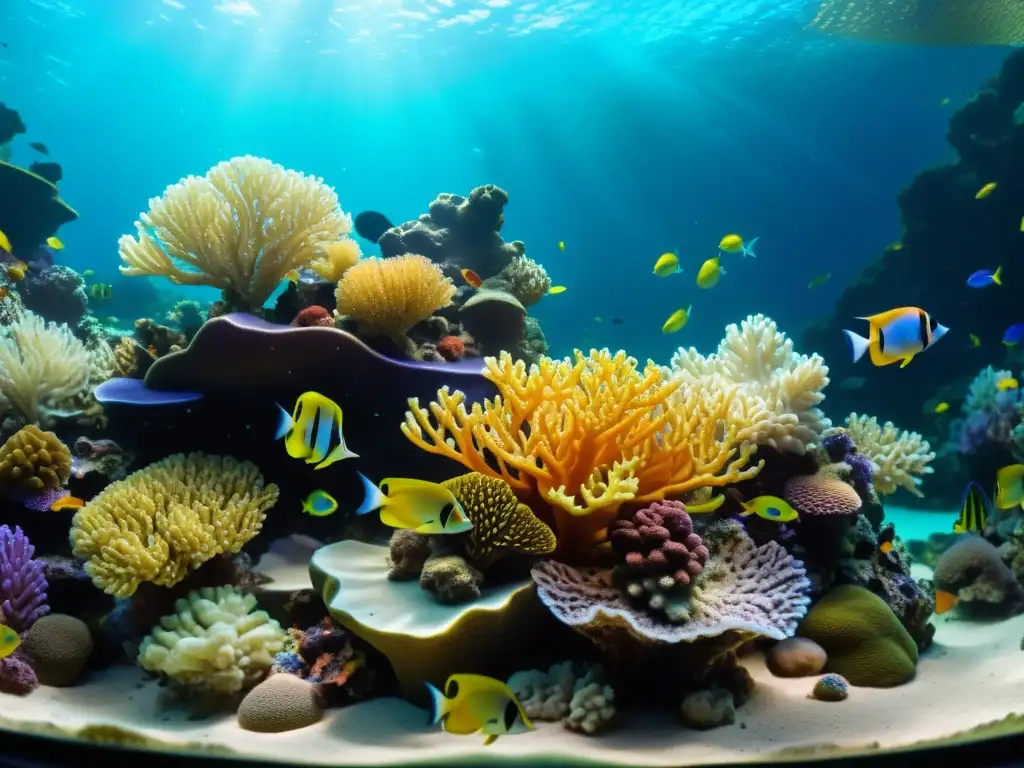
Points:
x=822, y=494
x=500, y=523
x=389, y=296
x=864, y=640
x=168, y=518
x=215, y=642
x=32, y=461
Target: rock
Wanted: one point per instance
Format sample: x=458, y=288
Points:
x=280, y=703
x=451, y=580
x=58, y=647
x=708, y=708
x=496, y=319
x=796, y=657
x=408, y=552
x=831, y=687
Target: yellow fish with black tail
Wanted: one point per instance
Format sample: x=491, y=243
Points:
x=313, y=431
x=896, y=336
x=9, y=641
x=1010, y=486
x=477, y=704
x=973, y=511
x=415, y=505
x=770, y=508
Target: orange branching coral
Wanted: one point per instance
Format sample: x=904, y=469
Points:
x=387, y=297
x=586, y=435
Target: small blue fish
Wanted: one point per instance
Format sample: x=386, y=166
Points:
x=1013, y=335
x=319, y=504
x=986, y=277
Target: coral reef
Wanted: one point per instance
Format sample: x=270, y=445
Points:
x=56, y=294
x=990, y=416
x=899, y=458
x=606, y=433
x=157, y=339
x=188, y=316
x=242, y=228
x=387, y=297
x=824, y=493
x=168, y=518
x=523, y=278
x=280, y=703
x=973, y=570
x=660, y=557
x=58, y=647
x=324, y=656
x=841, y=449
x=458, y=233
x=758, y=360
x=215, y=643
x=22, y=581
x=831, y=687
x=30, y=209
x=864, y=640
x=33, y=461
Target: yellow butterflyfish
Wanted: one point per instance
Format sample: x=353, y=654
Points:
x=302, y=441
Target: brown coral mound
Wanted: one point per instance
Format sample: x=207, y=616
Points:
x=822, y=494
x=59, y=647
x=32, y=460
x=500, y=522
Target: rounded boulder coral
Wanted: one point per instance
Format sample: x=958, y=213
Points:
x=823, y=494
x=312, y=317
x=32, y=461
x=660, y=555
x=280, y=703
x=59, y=647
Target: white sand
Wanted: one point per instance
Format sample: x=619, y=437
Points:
x=973, y=675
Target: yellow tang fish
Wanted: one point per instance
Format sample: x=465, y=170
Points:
x=1022, y=223
x=561, y=245
x=667, y=264
x=319, y=504
x=975, y=341
x=312, y=429
x=1010, y=486
x=896, y=336
x=706, y=506
x=973, y=511
x=5, y=243
x=709, y=273
x=9, y=641
x=554, y=290
x=55, y=243
x=735, y=244
x=415, y=505
x=985, y=191
x=770, y=508
x=477, y=704
x=677, y=320
x=1008, y=383
x=16, y=271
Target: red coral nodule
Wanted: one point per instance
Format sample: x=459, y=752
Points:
x=451, y=348
x=313, y=316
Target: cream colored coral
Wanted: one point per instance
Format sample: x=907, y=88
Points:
x=215, y=642
x=42, y=367
x=169, y=518
x=389, y=296
x=759, y=359
x=900, y=458
x=586, y=435
x=528, y=281
x=243, y=226
x=336, y=260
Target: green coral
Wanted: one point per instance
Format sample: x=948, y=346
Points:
x=865, y=641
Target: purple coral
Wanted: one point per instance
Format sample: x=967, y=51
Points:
x=659, y=552
x=841, y=448
x=22, y=583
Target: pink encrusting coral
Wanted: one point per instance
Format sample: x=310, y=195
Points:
x=823, y=494
x=451, y=348
x=16, y=676
x=659, y=552
x=312, y=317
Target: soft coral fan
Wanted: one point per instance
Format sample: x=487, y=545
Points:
x=759, y=359
x=990, y=416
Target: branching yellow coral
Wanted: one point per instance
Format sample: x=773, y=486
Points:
x=900, y=458
x=586, y=435
x=169, y=518
x=389, y=296
x=242, y=227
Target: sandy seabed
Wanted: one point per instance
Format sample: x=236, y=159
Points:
x=971, y=676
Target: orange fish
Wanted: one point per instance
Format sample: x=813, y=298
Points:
x=152, y=350
x=944, y=601
x=4, y=292
x=472, y=278
x=885, y=547
x=67, y=502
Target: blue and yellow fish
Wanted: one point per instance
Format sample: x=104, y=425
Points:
x=770, y=508
x=415, y=505
x=477, y=704
x=313, y=431
x=101, y=291
x=973, y=515
x=319, y=504
x=896, y=336
x=9, y=641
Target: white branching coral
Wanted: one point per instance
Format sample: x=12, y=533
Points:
x=758, y=359
x=215, y=642
x=900, y=458
x=43, y=367
x=243, y=227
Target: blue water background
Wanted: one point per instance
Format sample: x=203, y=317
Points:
x=624, y=129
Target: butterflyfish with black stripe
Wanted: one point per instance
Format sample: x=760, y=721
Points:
x=313, y=431
x=896, y=336
x=973, y=511
x=414, y=505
